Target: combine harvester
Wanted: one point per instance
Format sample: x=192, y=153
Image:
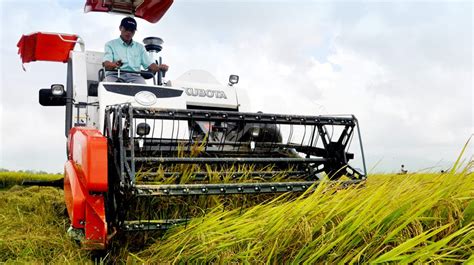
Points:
x=133, y=149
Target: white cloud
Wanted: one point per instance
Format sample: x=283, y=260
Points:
x=405, y=70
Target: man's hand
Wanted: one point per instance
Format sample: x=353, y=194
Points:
x=155, y=67
x=112, y=65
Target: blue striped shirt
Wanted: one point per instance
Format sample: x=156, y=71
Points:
x=133, y=56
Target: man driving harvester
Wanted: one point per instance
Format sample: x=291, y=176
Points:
x=125, y=54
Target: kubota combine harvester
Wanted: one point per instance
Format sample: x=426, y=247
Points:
x=136, y=153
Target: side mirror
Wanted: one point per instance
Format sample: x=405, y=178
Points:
x=54, y=96
x=233, y=79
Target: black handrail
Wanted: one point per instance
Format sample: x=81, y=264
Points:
x=145, y=74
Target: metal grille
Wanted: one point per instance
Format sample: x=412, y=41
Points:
x=160, y=154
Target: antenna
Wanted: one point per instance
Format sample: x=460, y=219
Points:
x=153, y=45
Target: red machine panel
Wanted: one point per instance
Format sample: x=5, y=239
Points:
x=85, y=181
x=96, y=225
x=88, y=151
x=74, y=195
x=150, y=10
x=41, y=46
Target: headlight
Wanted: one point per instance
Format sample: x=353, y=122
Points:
x=233, y=79
x=143, y=129
x=57, y=90
x=255, y=132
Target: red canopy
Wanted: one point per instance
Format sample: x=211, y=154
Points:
x=150, y=10
x=41, y=46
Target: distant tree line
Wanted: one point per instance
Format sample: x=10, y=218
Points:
x=28, y=171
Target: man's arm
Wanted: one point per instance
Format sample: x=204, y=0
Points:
x=109, y=63
x=147, y=62
x=155, y=67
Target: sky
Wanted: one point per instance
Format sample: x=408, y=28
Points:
x=404, y=69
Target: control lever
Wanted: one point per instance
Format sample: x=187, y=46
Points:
x=161, y=74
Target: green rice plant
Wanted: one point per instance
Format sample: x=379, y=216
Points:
x=413, y=218
x=179, y=207
x=33, y=228
x=390, y=219
x=394, y=218
x=11, y=178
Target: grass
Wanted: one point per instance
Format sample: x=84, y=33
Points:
x=33, y=225
x=394, y=218
x=413, y=218
x=11, y=178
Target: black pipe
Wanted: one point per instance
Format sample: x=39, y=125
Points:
x=59, y=183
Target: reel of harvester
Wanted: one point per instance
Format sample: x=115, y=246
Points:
x=164, y=164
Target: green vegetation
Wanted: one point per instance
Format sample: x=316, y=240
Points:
x=10, y=178
x=33, y=225
x=394, y=218
x=409, y=218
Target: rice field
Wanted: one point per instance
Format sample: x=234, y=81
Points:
x=10, y=178
x=412, y=218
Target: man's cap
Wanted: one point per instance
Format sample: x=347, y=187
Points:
x=129, y=23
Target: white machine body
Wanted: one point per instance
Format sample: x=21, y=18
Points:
x=195, y=89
